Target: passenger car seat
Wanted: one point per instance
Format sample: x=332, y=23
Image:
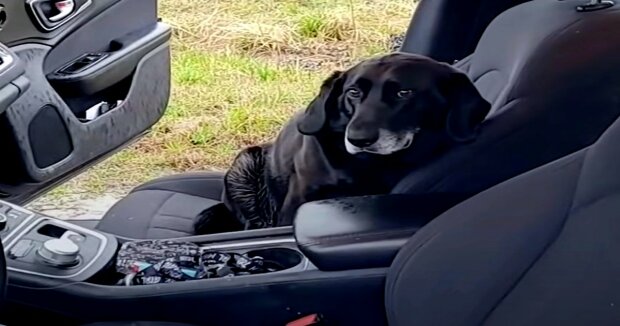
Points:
x=551, y=73
x=539, y=249
x=165, y=207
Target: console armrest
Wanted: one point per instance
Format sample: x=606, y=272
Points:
x=364, y=232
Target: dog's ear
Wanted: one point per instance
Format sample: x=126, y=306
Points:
x=467, y=108
x=315, y=116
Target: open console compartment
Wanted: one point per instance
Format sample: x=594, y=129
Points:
x=164, y=261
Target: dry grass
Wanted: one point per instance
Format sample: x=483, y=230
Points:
x=240, y=69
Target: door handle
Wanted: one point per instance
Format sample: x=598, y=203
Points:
x=50, y=14
x=64, y=9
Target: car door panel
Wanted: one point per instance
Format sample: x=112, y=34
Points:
x=12, y=81
x=88, y=139
x=120, y=55
x=113, y=67
x=20, y=28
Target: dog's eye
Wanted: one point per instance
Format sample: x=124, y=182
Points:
x=354, y=93
x=404, y=93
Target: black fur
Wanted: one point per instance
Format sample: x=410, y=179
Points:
x=249, y=197
x=309, y=160
x=217, y=219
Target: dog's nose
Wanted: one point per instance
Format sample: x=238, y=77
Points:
x=362, y=142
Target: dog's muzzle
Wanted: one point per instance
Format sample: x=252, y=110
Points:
x=388, y=143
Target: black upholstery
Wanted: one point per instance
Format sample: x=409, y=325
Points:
x=165, y=207
x=553, y=76
x=363, y=232
x=539, y=249
x=448, y=30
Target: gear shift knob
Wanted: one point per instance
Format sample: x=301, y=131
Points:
x=60, y=252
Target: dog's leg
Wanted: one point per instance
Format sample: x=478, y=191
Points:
x=247, y=194
x=216, y=219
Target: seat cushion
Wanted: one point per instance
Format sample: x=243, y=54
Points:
x=163, y=208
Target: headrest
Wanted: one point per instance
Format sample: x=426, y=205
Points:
x=524, y=37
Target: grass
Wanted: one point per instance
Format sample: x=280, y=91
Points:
x=240, y=69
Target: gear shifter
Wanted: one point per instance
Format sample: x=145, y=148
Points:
x=60, y=252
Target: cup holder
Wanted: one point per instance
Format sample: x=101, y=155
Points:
x=216, y=263
x=277, y=258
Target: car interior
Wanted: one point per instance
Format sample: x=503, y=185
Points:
x=514, y=228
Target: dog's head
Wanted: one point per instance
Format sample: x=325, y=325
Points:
x=380, y=104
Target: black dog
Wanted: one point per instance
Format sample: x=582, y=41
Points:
x=367, y=127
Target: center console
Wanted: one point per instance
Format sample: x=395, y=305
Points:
x=334, y=262
x=68, y=270
x=51, y=248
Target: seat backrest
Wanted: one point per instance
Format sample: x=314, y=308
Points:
x=540, y=249
x=553, y=77
x=448, y=30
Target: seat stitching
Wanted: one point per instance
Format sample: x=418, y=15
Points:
x=192, y=178
x=186, y=179
x=146, y=185
x=551, y=242
x=592, y=200
x=157, y=185
x=174, y=191
x=156, y=211
x=484, y=74
x=168, y=229
x=180, y=193
x=177, y=216
x=406, y=262
x=595, y=200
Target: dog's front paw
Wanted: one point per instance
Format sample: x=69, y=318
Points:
x=216, y=219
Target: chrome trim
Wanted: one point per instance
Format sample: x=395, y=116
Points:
x=69, y=227
x=248, y=243
x=22, y=224
x=64, y=21
x=7, y=59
